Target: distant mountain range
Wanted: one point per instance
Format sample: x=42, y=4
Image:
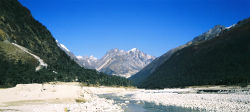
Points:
x=219, y=56
x=123, y=63
x=114, y=62
x=89, y=62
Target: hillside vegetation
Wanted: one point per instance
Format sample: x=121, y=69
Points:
x=223, y=60
x=18, y=26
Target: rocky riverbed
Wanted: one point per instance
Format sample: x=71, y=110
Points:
x=72, y=97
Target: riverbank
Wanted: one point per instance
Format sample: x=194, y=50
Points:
x=54, y=97
x=203, y=99
x=73, y=97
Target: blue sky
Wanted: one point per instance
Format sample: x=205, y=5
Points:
x=92, y=27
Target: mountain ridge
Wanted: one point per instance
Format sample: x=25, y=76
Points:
x=222, y=60
x=110, y=64
x=150, y=68
x=129, y=62
x=118, y=62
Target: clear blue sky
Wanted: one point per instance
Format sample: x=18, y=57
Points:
x=92, y=27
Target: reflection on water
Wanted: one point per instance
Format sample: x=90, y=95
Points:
x=138, y=106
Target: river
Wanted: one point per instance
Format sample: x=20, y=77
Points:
x=129, y=105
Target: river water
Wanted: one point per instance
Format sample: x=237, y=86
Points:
x=139, y=106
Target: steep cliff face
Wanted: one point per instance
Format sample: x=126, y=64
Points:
x=26, y=44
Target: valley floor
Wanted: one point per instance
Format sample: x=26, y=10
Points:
x=72, y=97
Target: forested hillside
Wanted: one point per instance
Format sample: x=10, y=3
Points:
x=16, y=66
x=223, y=60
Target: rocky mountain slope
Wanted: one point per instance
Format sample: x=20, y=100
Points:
x=89, y=62
x=124, y=63
x=118, y=62
x=26, y=44
x=223, y=60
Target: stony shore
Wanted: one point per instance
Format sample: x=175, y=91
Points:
x=59, y=97
x=72, y=97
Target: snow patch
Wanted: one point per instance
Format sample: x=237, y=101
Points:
x=79, y=57
x=133, y=50
x=64, y=47
x=106, y=62
x=92, y=57
x=230, y=26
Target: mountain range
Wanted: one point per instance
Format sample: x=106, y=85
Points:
x=114, y=62
x=217, y=57
x=123, y=63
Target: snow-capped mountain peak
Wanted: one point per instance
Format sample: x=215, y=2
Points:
x=118, y=62
x=70, y=54
x=92, y=57
x=214, y=32
x=63, y=47
x=133, y=50
x=114, y=62
x=114, y=50
x=79, y=57
x=230, y=26
x=86, y=57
